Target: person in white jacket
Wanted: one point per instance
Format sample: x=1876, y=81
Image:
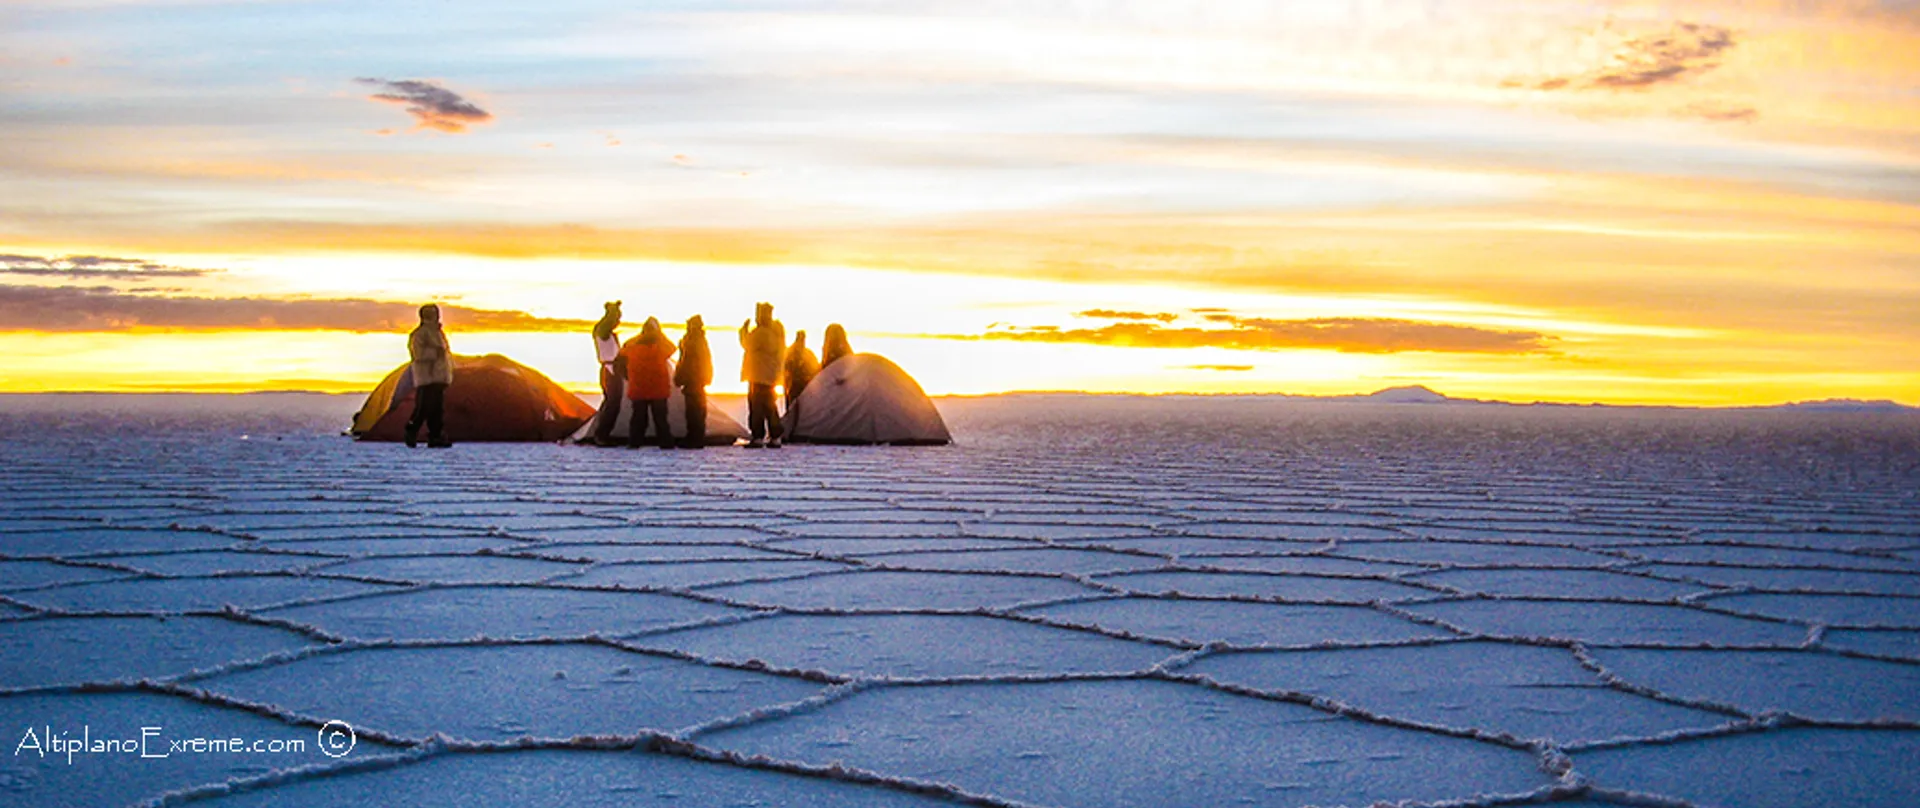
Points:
x=432, y=371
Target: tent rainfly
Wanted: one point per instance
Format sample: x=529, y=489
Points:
x=865, y=399
x=492, y=399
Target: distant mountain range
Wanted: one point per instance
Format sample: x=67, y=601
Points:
x=1409, y=395
x=1845, y=405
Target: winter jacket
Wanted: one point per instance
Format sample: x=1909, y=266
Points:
x=606, y=341
x=834, y=346
x=766, y=346
x=648, y=373
x=432, y=357
x=696, y=361
x=801, y=368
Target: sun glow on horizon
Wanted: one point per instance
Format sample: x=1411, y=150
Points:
x=959, y=334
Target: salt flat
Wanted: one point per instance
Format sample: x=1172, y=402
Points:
x=1084, y=602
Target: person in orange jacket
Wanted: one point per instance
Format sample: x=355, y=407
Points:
x=649, y=383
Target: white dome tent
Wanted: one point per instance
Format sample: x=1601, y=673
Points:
x=865, y=399
x=722, y=430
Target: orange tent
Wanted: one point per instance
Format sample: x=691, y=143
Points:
x=492, y=398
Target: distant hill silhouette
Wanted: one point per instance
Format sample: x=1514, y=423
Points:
x=1845, y=405
x=1419, y=394
x=1411, y=394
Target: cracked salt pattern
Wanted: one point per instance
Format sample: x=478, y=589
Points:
x=1525, y=691
x=1147, y=602
x=498, y=692
x=579, y=779
x=454, y=612
x=94, y=780
x=1307, y=588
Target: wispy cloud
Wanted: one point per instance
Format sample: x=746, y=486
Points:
x=93, y=266
x=1110, y=314
x=1219, y=368
x=101, y=308
x=1719, y=112
x=432, y=106
x=1345, y=334
x=1687, y=49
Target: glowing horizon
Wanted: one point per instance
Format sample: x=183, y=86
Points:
x=1624, y=202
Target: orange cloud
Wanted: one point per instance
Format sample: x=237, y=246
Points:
x=93, y=266
x=1344, y=334
x=1110, y=314
x=66, y=309
x=1685, y=50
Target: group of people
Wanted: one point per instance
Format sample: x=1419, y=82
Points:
x=641, y=372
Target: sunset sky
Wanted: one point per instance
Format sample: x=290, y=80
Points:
x=1703, y=202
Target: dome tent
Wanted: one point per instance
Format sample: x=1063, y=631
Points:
x=722, y=430
x=865, y=399
x=492, y=399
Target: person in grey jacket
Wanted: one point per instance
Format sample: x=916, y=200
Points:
x=432, y=371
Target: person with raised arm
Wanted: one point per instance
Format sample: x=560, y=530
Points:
x=613, y=380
